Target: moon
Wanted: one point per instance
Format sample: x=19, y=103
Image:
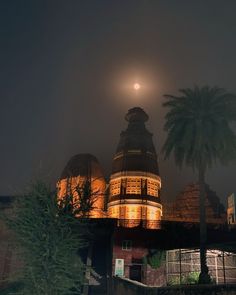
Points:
x=137, y=86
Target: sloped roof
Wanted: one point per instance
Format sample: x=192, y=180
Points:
x=135, y=150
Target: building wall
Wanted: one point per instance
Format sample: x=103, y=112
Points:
x=132, y=256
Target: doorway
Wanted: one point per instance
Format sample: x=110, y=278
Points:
x=135, y=272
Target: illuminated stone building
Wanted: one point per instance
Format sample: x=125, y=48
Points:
x=135, y=183
x=82, y=169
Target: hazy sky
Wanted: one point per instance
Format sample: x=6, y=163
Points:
x=66, y=73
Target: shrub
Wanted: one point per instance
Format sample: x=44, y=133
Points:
x=50, y=238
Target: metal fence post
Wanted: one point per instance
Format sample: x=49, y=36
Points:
x=223, y=261
x=180, y=267
x=216, y=269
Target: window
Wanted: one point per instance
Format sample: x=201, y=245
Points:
x=133, y=186
x=126, y=245
x=115, y=188
x=152, y=188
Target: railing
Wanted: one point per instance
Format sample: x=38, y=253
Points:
x=141, y=198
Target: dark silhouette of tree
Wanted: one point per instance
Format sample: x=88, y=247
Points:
x=200, y=134
x=87, y=199
x=49, y=238
x=80, y=201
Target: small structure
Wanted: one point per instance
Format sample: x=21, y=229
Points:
x=231, y=210
x=185, y=208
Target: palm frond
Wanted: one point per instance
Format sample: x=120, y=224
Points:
x=198, y=126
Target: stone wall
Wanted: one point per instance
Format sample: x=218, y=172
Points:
x=122, y=286
x=155, y=277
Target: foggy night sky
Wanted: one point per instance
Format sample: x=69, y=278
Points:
x=66, y=73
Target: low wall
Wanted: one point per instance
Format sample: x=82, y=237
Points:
x=122, y=286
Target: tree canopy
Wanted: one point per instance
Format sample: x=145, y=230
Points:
x=49, y=238
x=198, y=126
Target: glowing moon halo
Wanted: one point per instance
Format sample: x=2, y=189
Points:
x=137, y=86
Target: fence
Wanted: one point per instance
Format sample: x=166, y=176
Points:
x=183, y=266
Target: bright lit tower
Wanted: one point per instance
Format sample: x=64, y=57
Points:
x=135, y=183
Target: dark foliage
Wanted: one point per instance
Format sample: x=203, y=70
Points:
x=49, y=237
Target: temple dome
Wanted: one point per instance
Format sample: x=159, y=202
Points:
x=85, y=165
x=79, y=170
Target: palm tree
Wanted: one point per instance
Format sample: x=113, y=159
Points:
x=199, y=134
